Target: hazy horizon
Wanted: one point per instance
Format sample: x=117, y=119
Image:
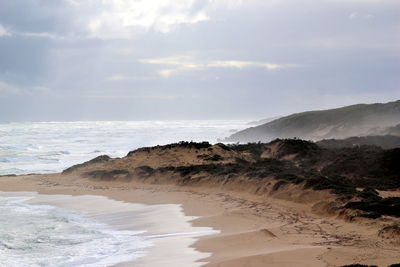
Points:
x=252, y=120
x=92, y=60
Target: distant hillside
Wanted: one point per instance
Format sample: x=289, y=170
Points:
x=355, y=120
x=395, y=130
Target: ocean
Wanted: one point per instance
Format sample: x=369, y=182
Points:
x=48, y=147
x=93, y=231
x=43, y=233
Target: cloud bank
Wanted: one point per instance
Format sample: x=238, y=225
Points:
x=183, y=59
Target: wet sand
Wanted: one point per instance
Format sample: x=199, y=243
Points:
x=164, y=225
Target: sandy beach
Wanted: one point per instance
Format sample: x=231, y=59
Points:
x=253, y=230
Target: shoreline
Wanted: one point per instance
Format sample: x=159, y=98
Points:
x=255, y=230
x=143, y=221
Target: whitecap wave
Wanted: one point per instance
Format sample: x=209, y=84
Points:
x=44, y=235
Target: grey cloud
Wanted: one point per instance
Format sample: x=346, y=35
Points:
x=343, y=61
x=35, y=15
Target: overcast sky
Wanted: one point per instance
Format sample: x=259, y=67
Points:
x=194, y=59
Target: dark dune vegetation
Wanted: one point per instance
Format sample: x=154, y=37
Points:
x=383, y=141
x=354, y=173
x=343, y=171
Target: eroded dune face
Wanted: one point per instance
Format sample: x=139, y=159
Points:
x=289, y=168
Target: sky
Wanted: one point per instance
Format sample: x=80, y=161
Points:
x=66, y=60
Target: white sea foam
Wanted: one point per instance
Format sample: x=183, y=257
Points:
x=44, y=235
x=47, y=147
x=89, y=231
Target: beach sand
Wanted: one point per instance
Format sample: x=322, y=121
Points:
x=254, y=230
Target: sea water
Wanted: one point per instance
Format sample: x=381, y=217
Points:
x=45, y=235
x=46, y=147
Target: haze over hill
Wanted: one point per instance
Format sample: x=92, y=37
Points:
x=263, y=121
x=355, y=120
